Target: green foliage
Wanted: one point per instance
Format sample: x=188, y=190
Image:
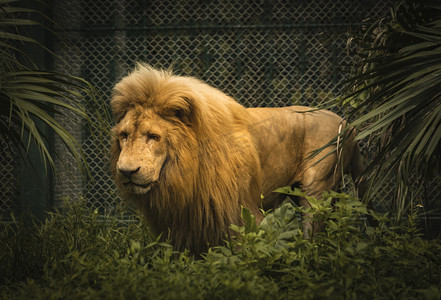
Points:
x=395, y=94
x=79, y=254
x=30, y=98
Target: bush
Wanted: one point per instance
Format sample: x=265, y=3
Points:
x=78, y=253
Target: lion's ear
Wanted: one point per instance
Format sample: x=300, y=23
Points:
x=182, y=115
x=179, y=114
x=119, y=106
x=188, y=113
x=181, y=109
x=119, y=116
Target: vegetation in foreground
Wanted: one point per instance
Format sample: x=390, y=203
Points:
x=79, y=253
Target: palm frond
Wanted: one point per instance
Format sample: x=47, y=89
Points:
x=400, y=72
x=30, y=99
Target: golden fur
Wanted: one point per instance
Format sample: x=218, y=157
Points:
x=189, y=156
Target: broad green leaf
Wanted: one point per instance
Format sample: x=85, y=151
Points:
x=288, y=190
x=249, y=220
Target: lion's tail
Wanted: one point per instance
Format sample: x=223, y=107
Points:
x=361, y=184
x=357, y=169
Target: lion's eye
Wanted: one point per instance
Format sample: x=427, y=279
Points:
x=123, y=136
x=153, y=137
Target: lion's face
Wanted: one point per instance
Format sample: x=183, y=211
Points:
x=142, y=138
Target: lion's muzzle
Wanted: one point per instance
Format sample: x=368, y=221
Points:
x=137, y=174
x=128, y=172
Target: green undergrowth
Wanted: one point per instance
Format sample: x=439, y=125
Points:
x=81, y=254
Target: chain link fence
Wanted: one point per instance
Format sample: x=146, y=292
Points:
x=9, y=180
x=262, y=53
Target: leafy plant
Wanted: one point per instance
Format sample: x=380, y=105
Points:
x=81, y=254
x=30, y=98
x=395, y=94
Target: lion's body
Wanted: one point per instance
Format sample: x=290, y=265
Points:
x=188, y=156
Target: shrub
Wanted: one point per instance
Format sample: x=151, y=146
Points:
x=78, y=253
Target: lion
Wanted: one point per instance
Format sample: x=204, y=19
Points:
x=189, y=157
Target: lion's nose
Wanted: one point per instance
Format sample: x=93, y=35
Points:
x=128, y=172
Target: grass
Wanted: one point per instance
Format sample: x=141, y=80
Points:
x=79, y=254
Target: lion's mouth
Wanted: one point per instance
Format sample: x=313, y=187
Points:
x=144, y=186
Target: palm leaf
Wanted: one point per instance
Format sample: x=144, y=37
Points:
x=31, y=98
x=400, y=71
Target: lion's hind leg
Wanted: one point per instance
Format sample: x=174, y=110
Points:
x=314, y=184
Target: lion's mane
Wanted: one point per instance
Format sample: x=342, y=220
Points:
x=212, y=166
